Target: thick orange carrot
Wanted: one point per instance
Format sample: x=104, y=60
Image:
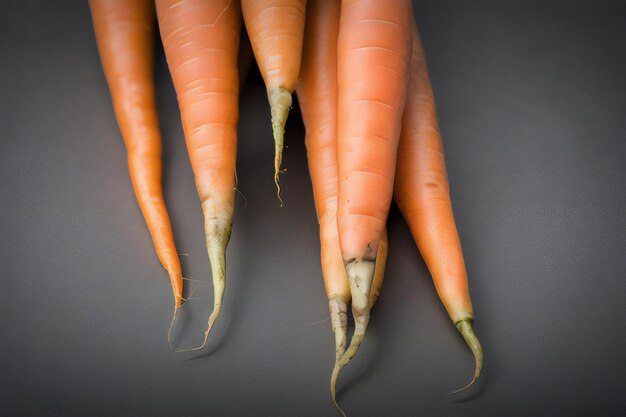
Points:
x=422, y=194
x=201, y=41
x=276, y=28
x=317, y=95
x=372, y=73
x=125, y=35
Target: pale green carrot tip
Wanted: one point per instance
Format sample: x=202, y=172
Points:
x=361, y=319
x=339, y=323
x=360, y=276
x=280, y=103
x=466, y=329
x=217, y=232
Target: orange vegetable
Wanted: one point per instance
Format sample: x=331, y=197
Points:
x=372, y=73
x=317, y=96
x=422, y=194
x=276, y=28
x=125, y=35
x=201, y=42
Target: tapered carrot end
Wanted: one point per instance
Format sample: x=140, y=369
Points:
x=176, y=278
x=333, y=385
x=466, y=329
x=169, y=330
x=340, y=362
x=214, y=315
x=360, y=276
x=280, y=103
x=339, y=322
x=217, y=231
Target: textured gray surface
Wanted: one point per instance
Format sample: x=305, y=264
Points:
x=531, y=103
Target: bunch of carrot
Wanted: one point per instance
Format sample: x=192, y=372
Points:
x=360, y=74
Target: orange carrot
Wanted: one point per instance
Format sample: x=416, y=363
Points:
x=422, y=194
x=276, y=29
x=201, y=42
x=317, y=95
x=124, y=32
x=372, y=73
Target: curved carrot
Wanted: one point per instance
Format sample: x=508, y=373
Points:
x=317, y=95
x=373, y=61
x=422, y=194
x=124, y=32
x=276, y=28
x=201, y=41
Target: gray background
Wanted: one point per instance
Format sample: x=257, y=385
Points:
x=532, y=103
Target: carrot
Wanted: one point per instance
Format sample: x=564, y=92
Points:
x=276, y=28
x=201, y=42
x=422, y=194
x=124, y=33
x=372, y=73
x=317, y=96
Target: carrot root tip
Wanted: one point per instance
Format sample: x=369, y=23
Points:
x=360, y=276
x=176, y=278
x=339, y=322
x=169, y=330
x=333, y=384
x=217, y=231
x=280, y=103
x=466, y=329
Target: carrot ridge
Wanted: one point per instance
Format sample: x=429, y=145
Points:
x=124, y=34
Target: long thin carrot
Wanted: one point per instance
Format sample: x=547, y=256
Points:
x=422, y=194
x=276, y=28
x=125, y=35
x=201, y=41
x=373, y=62
x=317, y=95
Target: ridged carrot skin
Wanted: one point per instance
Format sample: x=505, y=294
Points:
x=422, y=194
x=125, y=36
x=317, y=96
x=201, y=41
x=374, y=48
x=276, y=29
